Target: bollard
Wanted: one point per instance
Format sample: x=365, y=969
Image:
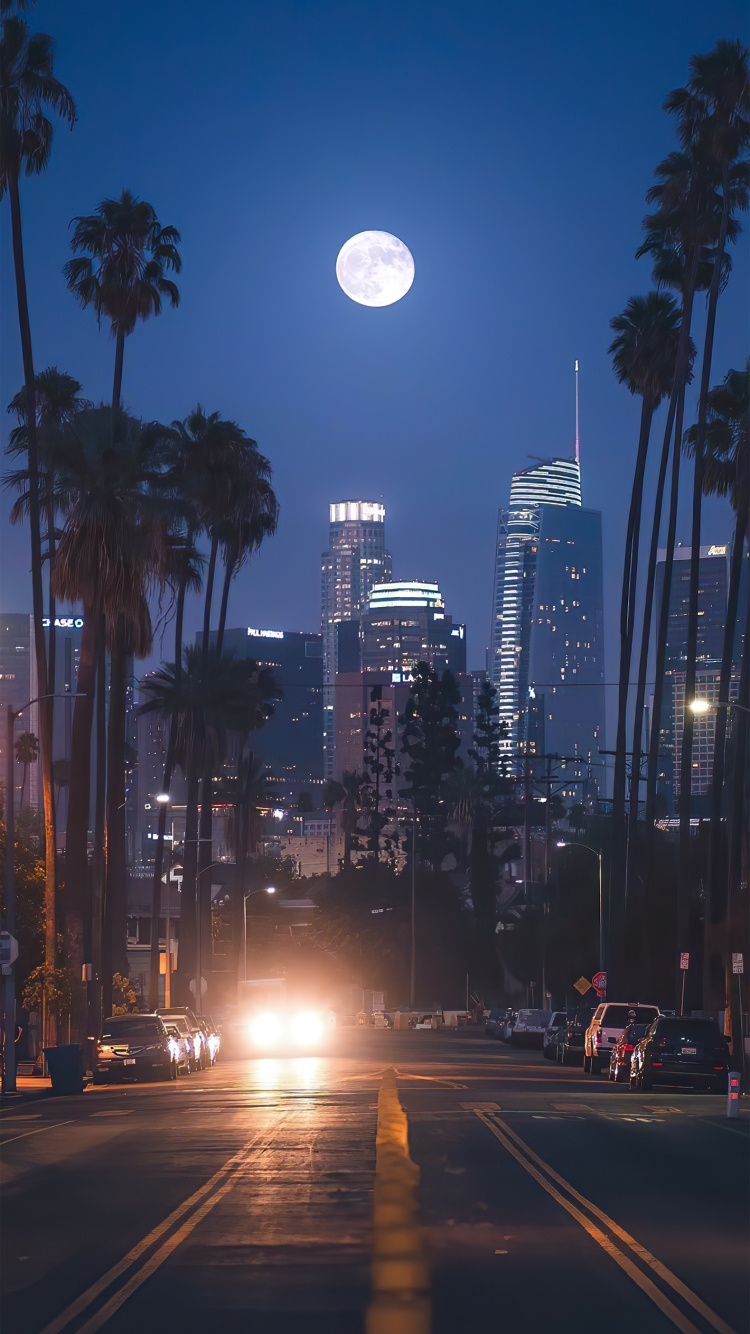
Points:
x=733, y=1094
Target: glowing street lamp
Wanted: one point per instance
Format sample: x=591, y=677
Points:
x=705, y=705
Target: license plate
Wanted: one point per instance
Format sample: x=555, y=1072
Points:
x=689, y=1051
x=129, y=1060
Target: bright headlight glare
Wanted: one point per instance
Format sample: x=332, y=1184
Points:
x=265, y=1029
x=309, y=1028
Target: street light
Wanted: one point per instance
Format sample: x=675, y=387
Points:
x=269, y=889
x=705, y=705
x=162, y=798
x=563, y=843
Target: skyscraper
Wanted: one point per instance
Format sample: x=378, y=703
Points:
x=356, y=559
x=547, y=642
x=406, y=623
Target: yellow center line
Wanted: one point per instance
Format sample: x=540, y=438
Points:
x=507, y=1137
x=38, y=1131
x=228, y=1171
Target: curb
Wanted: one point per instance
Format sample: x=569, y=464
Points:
x=400, y=1273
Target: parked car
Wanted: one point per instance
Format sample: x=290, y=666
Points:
x=571, y=1040
x=610, y=1019
x=494, y=1024
x=185, y=1020
x=681, y=1051
x=211, y=1039
x=619, y=1057
x=529, y=1028
x=214, y=1038
x=134, y=1046
x=549, y=1042
x=182, y=1047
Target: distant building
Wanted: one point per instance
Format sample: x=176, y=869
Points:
x=18, y=685
x=406, y=623
x=356, y=559
x=547, y=644
x=713, y=587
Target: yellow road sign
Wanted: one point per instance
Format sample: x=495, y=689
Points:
x=582, y=985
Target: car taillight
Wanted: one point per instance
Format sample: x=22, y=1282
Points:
x=598, y=1039
x=627, y=1048
x=718, y=1067
x=656, y=1062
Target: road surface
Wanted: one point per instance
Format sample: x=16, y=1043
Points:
x=240, y=1198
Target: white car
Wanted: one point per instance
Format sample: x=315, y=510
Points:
x=610, y=1019
x=530, y=1028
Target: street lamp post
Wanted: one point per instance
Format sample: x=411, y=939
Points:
x=269, y=889
x=563, y=843
x=9, y=979
x=705, y=705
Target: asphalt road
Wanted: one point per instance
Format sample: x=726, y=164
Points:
x=240, y=1198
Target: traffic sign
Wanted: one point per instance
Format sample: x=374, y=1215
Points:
x=684, y=961
x=738, y=963
x=582, y=985
x=9, y=948
x=204, y=986
x=599, y=981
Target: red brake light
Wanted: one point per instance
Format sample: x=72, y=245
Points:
x=598, y=1038
x=656, y=1062
x=627, y=1048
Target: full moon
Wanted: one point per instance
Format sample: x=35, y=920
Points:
x=375, y=268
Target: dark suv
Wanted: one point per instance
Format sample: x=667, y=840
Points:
x=134, y=1046
x=572, y=1038
x=681, y=1051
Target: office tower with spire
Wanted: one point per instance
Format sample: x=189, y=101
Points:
x=356, y=559
x=547, y=635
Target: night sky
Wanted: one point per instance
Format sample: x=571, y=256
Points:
x=509, y=146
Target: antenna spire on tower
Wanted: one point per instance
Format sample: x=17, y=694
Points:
x=578, y=451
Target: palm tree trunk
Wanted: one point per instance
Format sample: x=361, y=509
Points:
x=162, y=827
x=37, y=597
x=186, y=956
x=228, y=572
x=208, y=600
x=119, y=355
x=117, y=876
x=699, y=468
x=100, y=952
x=716, y=884
x=77, y=871
x=627, y=624
x=204, y=944
x=23, y=787
x=52, y=604
x=677, y=405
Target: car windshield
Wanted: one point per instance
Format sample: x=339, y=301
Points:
x=690, y=1030
x=619, y=1016
x=558, y=1019
x=179, y=1022
x=129, y=1030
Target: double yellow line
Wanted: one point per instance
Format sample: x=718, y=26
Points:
x=561, y=1191
x=143, y=1259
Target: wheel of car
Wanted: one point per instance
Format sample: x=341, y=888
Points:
x=646, y=1084
x=611, y=1073
x=586, y=1063
x=173, y=1070
x=99, y=1079
x=595, y=1065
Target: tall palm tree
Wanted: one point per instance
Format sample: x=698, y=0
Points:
x=726, y=473
x=347, y=795
x=110, y=558
x=713, y=124
x=28, y=91
x=27, y=753
x=121, y=272
x=679, y=237
x=643, y=356
x=59, y=399
x=212, y=710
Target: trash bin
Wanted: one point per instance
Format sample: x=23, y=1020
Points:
x=65, y=1068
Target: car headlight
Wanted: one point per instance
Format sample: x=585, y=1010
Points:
x=265, y=1029
x=309, y=1028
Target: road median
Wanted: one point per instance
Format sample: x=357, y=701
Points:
x=400, y=1273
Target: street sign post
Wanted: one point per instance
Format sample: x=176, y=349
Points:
x=684, y=965
x=582, y=985
x=738, y=963
x=599, y=982
x=684, y=961
x=9, y=948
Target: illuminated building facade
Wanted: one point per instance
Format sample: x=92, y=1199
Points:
x=356, y=560
x=547, y=641
x=406, y=623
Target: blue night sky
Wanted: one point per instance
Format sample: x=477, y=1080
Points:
x=509, y=146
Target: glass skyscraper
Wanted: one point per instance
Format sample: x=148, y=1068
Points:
x=547, y=641
x=356, y=559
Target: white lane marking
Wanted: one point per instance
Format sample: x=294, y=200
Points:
x=480, y=1106
x=119, y=1111
x=38, y=1131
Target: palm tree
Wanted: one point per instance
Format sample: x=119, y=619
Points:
x=28, y=90
x=27, y=752
x=212, y=711
x=643, y=355
x=121, y=272
x=726, y=473
x=713, y=126
x=347, y=795
x=58, y=400
x=679, y=236
x=111, y=557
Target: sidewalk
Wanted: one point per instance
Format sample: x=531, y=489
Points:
x=30, y=1088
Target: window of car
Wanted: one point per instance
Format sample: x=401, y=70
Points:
x=634, y=1032
x=132, y=1029
x=619, y=1016
x=690, y=1030
x=600, y=1012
